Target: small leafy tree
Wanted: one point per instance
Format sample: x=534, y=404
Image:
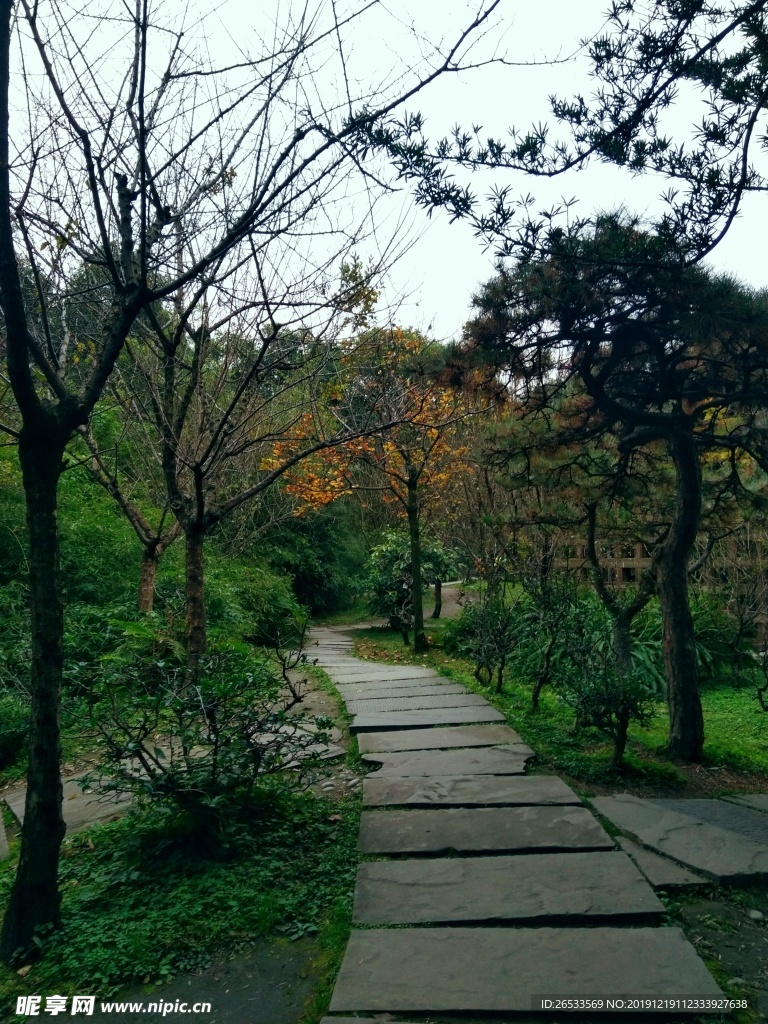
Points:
x=389, y=579
x=604, y=692
x=491, y=633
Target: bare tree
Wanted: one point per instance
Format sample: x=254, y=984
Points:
x=138, y=156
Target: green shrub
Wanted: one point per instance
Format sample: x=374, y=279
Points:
x=200, y=749
x=487, y=633
x=717, y=646
x=14, y=726
x=15, y=649
x=250, y=601
x=323, y=555
x=389, y=576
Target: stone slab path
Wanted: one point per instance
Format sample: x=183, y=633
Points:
x=439, y=739
x=743, y=820
x=375, y=721
x=539, y=900
x=79, y=809
x=756, y=801
x=539, y=888
x=365, y=691
x=504, y=970
x=472, y=761
x=660, y=872
x=501, y=829
x=409, y=703
x=708, y=849
x=466, y=791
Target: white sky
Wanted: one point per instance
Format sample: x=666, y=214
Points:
x=434, y=281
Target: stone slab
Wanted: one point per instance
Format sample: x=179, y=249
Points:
x=4, y=851
x=334, y=662
x=79, y=809
x=568, y=888
x=499, y=970
x=390, y=686
x=408, y=703
x=745, y=821
x=485, y=829
x=403, y=688
x=375, y=721
x=715, y=852
x=660, y=872
x=465, y=761
x=381, y=672
x=437, y=739
x=467, y=791
x=757, y=801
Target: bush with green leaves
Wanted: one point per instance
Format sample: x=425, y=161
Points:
x=14, y=726
x=604, y=693
x=322, y=553
x=204, y=748
x=487, y=632
x=249, y=600
x=15, y=644
x=389, y=575
x=718, y=648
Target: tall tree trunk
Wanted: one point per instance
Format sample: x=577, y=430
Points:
x=620, y=739
x=195, y=594
x=35, y=900
x=419, y=637
x=150, y=557
x=686, y=722
x=438, y=599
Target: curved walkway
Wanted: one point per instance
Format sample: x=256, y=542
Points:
x=484, y=890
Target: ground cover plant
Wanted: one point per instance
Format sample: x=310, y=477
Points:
x=147, y=897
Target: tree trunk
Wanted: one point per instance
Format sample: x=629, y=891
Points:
x=195, y=595
x=686, y=723
x=438, y=599
x=34, y=901
x=622, y=643
x=419, y=637
x=150, y=558
x=544, y=674
x=620, y=739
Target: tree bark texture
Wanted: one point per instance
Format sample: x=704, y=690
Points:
x=150, y=558
x=419, y=637
x=686, y=723
x=438, y=599
x=195, y=593
x=34, y=901
x=545, y=673
x=620, y=739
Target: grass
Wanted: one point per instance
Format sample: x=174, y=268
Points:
x=144, y=900
x=358, y=612
x=735, y=752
